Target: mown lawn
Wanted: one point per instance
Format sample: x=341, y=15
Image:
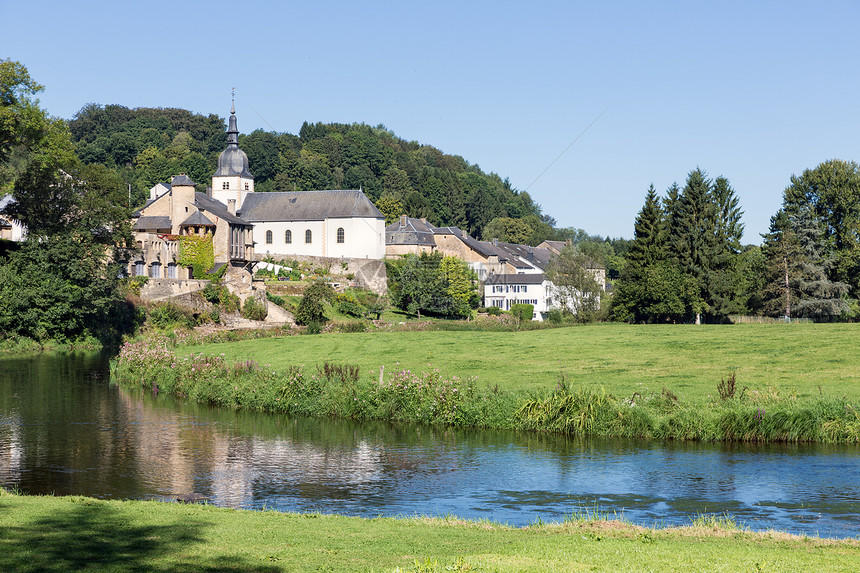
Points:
x=77, y=533
x=690, y=361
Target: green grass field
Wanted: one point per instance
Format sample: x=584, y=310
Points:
x=801, y=359
x=84, y=534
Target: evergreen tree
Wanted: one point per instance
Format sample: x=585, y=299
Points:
x=819, y=297
x=783, y=266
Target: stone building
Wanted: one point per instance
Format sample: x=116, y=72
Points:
x=181, y=211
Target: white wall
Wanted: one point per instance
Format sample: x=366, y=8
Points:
x=364, y=238
x=507, y=295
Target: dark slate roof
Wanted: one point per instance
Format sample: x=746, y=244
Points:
x=159, y=222
x=307, y=206
x=556, y=246
x=197, y=218
x=510, y=279
x=217, y=208
x=484, y=248
x=532, y=256
x=181, y=180
x=414, y=232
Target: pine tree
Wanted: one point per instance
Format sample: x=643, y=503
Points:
x=783, y=266
x=820, y=298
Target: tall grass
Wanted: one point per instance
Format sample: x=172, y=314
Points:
x=331, y=390
x=428, y=397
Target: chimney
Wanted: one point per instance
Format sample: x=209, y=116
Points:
x=209, y=191
x=495, y=241
x=403, y=219
x=531, y=255
x=231, y=206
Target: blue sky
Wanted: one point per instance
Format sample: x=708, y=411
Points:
x=753, y=91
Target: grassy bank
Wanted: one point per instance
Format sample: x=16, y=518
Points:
x=803, y=360
x=77, y=533
x=427, y=395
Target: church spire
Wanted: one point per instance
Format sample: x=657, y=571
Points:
x=232, y=129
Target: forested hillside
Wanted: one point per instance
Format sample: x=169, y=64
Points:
x=148, y=145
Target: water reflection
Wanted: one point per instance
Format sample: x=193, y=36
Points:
x=65, y=429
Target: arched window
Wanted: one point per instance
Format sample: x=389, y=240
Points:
x=268, y=237
x=288, y=236
x=308, y=236
x=340, y=235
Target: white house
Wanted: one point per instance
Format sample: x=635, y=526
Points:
x=505, y=290
x=10, y=229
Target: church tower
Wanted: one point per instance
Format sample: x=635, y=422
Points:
x=233, y=179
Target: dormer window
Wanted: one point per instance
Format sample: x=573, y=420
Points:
x=225, y=185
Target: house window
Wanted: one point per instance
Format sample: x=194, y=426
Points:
x=225, y=185
x=268, y=237
x=139, y=268
x=247, y=186
x=340, y=235
x=155, y=271
x=288, y=236
x=171, y=270
x=308, y=236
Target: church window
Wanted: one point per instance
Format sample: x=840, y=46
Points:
x=225, y=185
x=288, y=236
x=340, y=235
x=268, y=237
x=308, y=236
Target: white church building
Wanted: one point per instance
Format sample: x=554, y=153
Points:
x=330, y=223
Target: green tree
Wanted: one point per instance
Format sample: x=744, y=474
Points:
x=508, y=230
x=575, y=287
x=311, y=308
x=391, y=208
x=652, y=287
x=832, y=190
x=419, y=284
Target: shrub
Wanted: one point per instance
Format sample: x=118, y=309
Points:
x=523, y=311
x=555, y=316
x=168, y=315
x=311, y=308
x=278, y=300
x=228, y=301
x=254, y=309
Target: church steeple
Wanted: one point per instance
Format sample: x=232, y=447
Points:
x=232, y=129
x=233, y=179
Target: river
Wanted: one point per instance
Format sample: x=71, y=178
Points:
x=66, y=429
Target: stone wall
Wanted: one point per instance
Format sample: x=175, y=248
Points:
x=369, y=273
x=160, y=289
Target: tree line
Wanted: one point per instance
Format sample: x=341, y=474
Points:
x=146, y=146
x=686, y=262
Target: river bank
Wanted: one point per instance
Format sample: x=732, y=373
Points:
x=428, y=396
x=44, y=533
